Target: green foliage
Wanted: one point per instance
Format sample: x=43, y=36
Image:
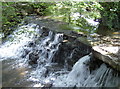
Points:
x=14, y=12
x=10, y=17
x=65, y=8
x=42, y=8
x=68, y=11
x=73, y=12
x=110, y=14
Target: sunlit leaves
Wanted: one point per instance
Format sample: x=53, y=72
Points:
x=72, y=12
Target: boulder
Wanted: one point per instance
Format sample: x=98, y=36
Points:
x=109, y=55
x=70, y=51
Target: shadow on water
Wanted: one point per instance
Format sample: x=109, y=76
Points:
x=14, y=74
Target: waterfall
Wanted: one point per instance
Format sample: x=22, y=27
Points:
x=80, y=76
x=40, y=51
x=46, y=48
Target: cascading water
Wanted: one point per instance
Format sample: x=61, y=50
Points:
x=81, y=76
x=28, y=61
x=46, y=49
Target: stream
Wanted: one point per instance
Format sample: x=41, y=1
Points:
x=30, y=58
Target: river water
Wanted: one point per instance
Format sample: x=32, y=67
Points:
x=27, y=62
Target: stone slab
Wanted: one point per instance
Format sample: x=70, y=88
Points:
x=109, y=55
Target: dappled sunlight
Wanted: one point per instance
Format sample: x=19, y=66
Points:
x=58, y=44
x=92, y=22
x=107, y=50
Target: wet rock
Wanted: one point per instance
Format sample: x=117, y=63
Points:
x=25, y=53
x=70, y=51
x=48, y=85
x=45, y=31
x=28, y=48
x=94, y=63
x=31, y=44
x=69, y=37
x=33, y=57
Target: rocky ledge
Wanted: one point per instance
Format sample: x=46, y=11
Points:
x=72, y=47
x=109, y=55
x=76, y=45
x=107, y=49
